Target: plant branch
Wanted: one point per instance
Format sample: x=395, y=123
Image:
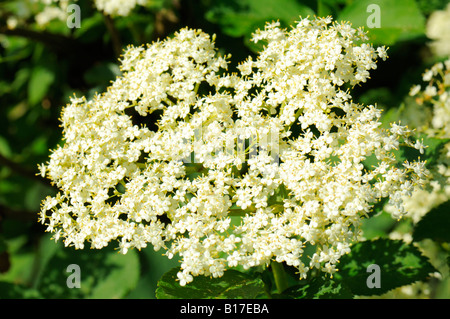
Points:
x=57, y=42
x=114, y=33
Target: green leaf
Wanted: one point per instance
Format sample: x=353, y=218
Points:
x=242, y=18
x=154, y=264
x=40, y=81
x=434, y=146
x=233, y=285
x=93, y=28
x=122, y=277
x=102, y=74
x=398, y=20
x=432, y=152
x=19, y=259
x=434, y=225
x=5, y=150
x=104, y=274
x=318, y=288
x=428, y=6
x=400, y=264
x=377, y=225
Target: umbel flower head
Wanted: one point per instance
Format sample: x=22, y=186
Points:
x=241, y=168
x=433, y=95
x=436, y=95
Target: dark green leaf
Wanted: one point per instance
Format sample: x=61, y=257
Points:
x=431, y=154
x=428, y=6
x=399, y=264
x=434, y=149
x=377, y=225
x=434, y=225
x=233, y=284
x=101, y=74
x=318, y=288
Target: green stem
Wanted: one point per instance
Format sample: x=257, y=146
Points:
x=114, y=33
x=197, y=85
x=297, y=114
x=281, y=280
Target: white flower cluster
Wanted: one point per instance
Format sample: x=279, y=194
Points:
x=43, y=12
x=58, y=9
x=53, y=10
x=435, y=95
x=242, y=168
x=119, y=7
x=438, y=31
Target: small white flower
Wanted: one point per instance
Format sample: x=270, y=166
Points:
x=428, y=75
x=414, y=90
x=430, y=90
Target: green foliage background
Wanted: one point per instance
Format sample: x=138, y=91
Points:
x=41, y=68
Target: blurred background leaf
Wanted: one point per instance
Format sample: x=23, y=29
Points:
x=399, y=19
x=242, y=18
x=434, y=225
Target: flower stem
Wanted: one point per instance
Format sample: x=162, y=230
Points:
x=280, y=276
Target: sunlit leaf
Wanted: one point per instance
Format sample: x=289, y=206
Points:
x=399, y=264
x=104, y=274
x=40, y=81
x=233, y=284
x=318, y=288
x=242, y=18
x=398, y=20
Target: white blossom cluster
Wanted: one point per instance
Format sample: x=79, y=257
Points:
x=434, y=94
x=53, y=10
x=43, y=11
x=119, y=7
x=59, y=9
x=242, y=168
x=438, y=31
